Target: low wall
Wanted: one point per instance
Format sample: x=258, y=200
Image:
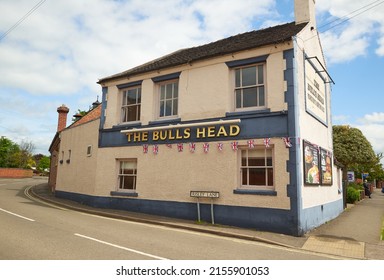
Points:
x=15, y=173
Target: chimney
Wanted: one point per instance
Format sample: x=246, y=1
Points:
x=62, y=122
x=305, y=12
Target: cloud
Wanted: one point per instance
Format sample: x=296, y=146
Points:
x=372, y=126
x=345, y=41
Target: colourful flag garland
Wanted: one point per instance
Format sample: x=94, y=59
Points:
x=192, y=147
x=145, y=148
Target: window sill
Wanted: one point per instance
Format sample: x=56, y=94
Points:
x=128, y=194
x=170, y=120
x=255, y=192
x=245, y=112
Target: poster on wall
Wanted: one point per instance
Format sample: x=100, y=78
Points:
x=326, y=167
x=311, y=164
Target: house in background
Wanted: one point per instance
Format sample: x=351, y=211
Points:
x=243, y=125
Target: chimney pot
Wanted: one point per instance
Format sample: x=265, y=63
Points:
x=62, y=121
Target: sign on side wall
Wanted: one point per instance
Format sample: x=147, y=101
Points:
x=315, y=92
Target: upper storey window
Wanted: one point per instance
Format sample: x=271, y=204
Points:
x=131, y=105
x=169, y=96
x=130, y=101
x=249, y=82
x=249, y=87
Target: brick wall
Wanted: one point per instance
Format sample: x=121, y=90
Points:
x=15, y=173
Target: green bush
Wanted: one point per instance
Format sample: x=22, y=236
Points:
x=353, y=194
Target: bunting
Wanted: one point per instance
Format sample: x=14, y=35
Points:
x=287, y=142
x=251, y=144
x=206, y=147
x=180, y=147
x=145, y=148
x=234, y=145
x=220, y=146
x=267, y=142
x=155, y=149
x=192, y=147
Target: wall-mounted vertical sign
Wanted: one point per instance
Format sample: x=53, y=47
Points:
x=315, y=92
x=311, y=164
x=326, y=167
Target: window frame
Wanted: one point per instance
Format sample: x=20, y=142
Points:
x=173, y=99
x=120, y=175
x=257, y=86
x=267, y=168
x=124, y=108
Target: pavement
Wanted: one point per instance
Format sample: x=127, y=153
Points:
x=354, y=234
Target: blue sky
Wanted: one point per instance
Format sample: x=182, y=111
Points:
x=57, y=54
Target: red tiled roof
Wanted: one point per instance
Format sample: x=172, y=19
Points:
x=90, y=116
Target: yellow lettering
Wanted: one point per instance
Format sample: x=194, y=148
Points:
x=136, y=136
x=200, y=132
x=222, y=132
x=187, y=133
x=211, y=131
x=234, y=130
x=178, y=136
x=163, y=134
x=144, y=136
x=155, y=135
x=129, y=136
x=170, y=135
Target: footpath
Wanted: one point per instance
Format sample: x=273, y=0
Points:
x=354, y=234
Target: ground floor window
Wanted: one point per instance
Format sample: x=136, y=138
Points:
x=257, y=168
x=127, y=175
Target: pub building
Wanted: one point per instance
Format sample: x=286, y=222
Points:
x=236, y=132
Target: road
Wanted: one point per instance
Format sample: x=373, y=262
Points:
x=33, y=230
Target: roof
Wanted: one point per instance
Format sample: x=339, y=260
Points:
x=240, y=42
x=91, y=115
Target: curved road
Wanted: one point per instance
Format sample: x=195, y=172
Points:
x=32, y=229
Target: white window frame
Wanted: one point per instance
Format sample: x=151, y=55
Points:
x=173, y=99
x=266, y=167
x=125, y=106
x=122, y=176
x=258, y=86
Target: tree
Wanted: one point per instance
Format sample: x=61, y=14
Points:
x=351, y=148
x=26, y=150
x=13, y=155
x=9, y=153
x=43, y=164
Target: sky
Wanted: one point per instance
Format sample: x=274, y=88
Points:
x=53, y=52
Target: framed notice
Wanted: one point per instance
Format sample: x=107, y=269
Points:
x=311, y=164
x=315, y=93
x=326, y=167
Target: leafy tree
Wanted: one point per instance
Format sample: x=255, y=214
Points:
x=352, y=148
x=43, y=164
x=13, y=155
x=9, y=153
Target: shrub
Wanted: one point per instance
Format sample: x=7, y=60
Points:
x=353, y=194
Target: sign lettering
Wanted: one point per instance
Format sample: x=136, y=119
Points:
x=184, y=133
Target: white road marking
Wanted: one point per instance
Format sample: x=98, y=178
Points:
x=28, y=219
x=121, y=247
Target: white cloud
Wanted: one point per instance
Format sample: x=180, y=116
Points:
x=372, y=126
x=351, y=39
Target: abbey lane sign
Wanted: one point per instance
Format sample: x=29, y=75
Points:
x=187, y=132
